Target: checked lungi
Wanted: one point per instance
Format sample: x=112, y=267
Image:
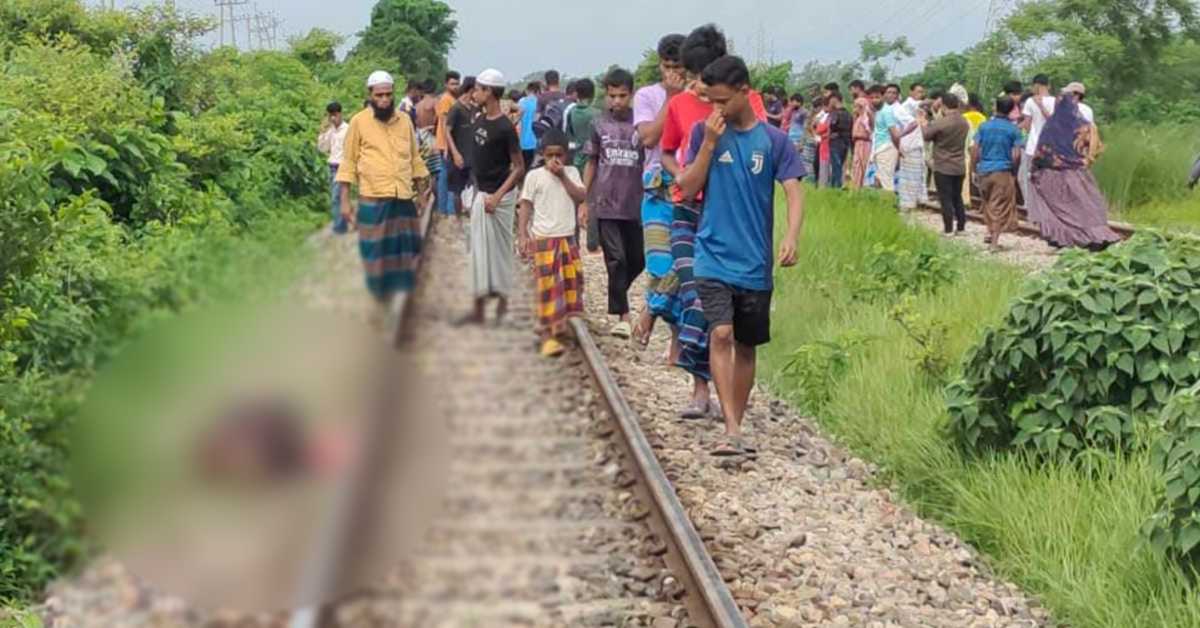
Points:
x=559, y=275
x=389, y=242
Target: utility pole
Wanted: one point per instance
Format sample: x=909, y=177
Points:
x=227, y=15
x=996, y=10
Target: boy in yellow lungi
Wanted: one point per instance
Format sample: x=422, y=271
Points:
x=552, y=196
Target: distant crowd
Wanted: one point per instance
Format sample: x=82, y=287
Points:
x=678, y=180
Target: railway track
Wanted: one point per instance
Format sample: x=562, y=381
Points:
x=1124, y=229
x=555, y=512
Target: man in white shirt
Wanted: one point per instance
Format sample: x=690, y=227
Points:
x=332, y=142
x=1038, y=108
x=1085, y=110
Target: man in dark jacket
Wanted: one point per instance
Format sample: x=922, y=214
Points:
x=841, y=128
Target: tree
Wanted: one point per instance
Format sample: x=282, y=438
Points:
x=318, y=46
x=763, y=76
x=647, y=72
x=1114, y=45
x=817, y=73
x=874, y=49
x=417, y=34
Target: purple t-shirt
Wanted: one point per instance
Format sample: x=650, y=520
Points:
x=616, y=191
x=647, y=102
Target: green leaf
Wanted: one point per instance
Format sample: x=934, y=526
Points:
x=1125, y=363
x=1030, y=348
x=1138, y=397
x=1137, y=337
x=1161, y=342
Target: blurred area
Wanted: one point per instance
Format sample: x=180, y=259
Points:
x=213, y=456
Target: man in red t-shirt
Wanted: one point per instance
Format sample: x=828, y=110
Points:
x=684, y=110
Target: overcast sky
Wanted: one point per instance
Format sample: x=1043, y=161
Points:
x=584, y=38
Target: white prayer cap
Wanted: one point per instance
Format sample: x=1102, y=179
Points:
x=490, y=78
x=379, y=77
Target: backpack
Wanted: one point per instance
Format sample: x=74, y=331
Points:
x=551, y=117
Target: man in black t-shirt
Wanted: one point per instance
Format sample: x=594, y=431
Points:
x=496, y=168
x=460, y=142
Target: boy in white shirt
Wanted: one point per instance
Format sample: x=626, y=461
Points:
x=552, y=197
x=332, y=141
x=1038, y=108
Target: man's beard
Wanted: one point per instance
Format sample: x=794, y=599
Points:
x=383, y=114
x=878, y=106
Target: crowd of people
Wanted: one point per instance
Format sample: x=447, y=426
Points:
x=677, y=180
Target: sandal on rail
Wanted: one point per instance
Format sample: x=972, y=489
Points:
x=727, y=447
x=695, y=410
x=552, y=348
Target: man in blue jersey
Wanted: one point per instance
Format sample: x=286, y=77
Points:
x=736, y=161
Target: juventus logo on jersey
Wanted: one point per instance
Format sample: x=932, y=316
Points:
x=757, y=161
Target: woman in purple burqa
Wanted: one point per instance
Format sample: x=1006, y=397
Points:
x=1075, y=212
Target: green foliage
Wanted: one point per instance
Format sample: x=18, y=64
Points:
x=415, y=35
x=815, y=368
x=1144, y=164
x=929, y=337
x=1174, y=529
x=874, y=49
x=815, y=74
x=891, y=272
x=317, y=48
x=647, y=72
x=1084, y=350
x=1113, y=45
x=763, y=76
x=138, y=177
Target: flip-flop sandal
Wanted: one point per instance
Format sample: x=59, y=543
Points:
x=746, y=446
x=727, y=447
x=695, y=410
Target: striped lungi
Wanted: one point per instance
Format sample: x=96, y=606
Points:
x=657, y=214
x=693, y=327
x=389, y=242
x=911, y=173
x=559, y=275
x=426, y=144
x=490, y=242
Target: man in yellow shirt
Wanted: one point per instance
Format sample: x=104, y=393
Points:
x=449, y=96
x=382, y=158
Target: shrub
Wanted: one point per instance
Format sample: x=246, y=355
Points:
x=816, y=367
x=1174, y=529
x=891, y=272
x=1089, y=345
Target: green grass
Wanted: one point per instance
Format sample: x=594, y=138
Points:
x=1067, y=537
x=1144, y=171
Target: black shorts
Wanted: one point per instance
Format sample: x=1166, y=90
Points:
x=749, y=311
x=457, y=178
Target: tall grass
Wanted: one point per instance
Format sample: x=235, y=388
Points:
x=1067, y=536
x=1145, y=164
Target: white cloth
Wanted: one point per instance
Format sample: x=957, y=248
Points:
x=490, y=242
x=1034, y=112
x=553, y=208
x=379, y=77
x=1085, y=110
x=333, y=142
x=490, y=77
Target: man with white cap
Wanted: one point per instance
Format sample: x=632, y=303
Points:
x=381, y=156
x=496, y=168
x=1080, y=92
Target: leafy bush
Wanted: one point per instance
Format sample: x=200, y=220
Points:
x=1089, y=345
x=1174, y=529
x=816, y=367
x=892, y=271
x=930, y=338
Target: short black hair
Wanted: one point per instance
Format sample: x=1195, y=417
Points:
x=669, y=47
x=452, y=76
x=551, y=77
x=796, y=97
x=1013, y=87
x=514, y=94
x=333, y=107
x=915, y=84
x=859, y=84
x=554, y=136
x=832, y=87
x=950, y=101
x=875, y=89
x=618, y=77
x=428, y=86
x=727, y=70
x=585, y=89
x=534, y=86
x=703, y=46
x=498, y=92
x=413, y=84
x=571, y=87
x=1004, y=105
x=468, y=84
x=835, y=94
x=892, y=85
x=1041, y=79
x=973, y=102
